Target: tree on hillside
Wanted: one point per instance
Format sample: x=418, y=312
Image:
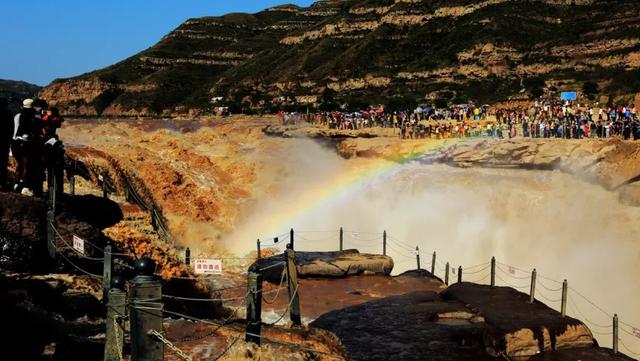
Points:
x=590, y=89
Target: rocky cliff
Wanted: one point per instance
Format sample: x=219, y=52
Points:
x=359, y=52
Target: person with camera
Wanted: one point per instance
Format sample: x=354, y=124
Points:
x=25, y=148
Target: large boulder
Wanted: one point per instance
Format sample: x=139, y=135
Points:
x=464, y=322
x=519, y=328
x=327, y=264
x=413, y=326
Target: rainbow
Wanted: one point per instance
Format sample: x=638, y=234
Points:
x=342, y=186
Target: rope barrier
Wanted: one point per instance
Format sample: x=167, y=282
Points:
x=575, y=307
x=479, y=280
x=71, y=246
x=511, y=285
x=291, y=299
x=465, y=272
x=591, y=303
x=358, y=239
x=268, y=339
x=478, y=265
x=212, y=332
x=629, y=333
x=205, y=299
x=402, y=253
x=68, y=246
x=400, y=243
x=76, y=266
x=509, y=274
x=628, y=349
x=297, y=235
x=273, y=266
x=282, y=279
x=228, y=348
x=548, y=288
x=514, y=267
x=548, y=299
x=173, y=348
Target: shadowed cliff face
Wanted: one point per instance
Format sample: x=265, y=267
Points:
x=368, y=52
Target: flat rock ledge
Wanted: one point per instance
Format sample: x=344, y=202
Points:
x=463, y=322
x=327, y=264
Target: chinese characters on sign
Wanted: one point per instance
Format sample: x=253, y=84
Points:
x=208, y=266
x=78, y=244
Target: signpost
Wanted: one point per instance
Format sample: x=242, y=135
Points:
x=208, y=266
x=78, y=244
x=568, y=95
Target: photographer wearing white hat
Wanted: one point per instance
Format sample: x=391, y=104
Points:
x=25, y=141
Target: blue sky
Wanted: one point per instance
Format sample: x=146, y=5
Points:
x=41, y=40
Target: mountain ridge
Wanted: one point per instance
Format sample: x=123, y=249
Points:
x=15, y=91
x=361, y=52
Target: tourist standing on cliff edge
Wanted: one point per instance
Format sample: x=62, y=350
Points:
x=24, y=149
x=6, y=134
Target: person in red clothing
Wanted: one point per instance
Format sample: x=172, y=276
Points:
x=53, y=155
x=51, y=122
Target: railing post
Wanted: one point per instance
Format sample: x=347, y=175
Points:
x=291, y=238
x=254, y=306
x=106, y=272
x=294, y=293
x=341, y=240
x=532, y=290
x=565, y=287
x=433, y=264
x=145, y=313
x=105, y=191
x=259, y=251
x=72, y=184
x=615, y=334
x=418, y=257
x=493, y=271
x=459, y=274
x=154, y=222
x=52, y=187
x=116, y=310
x=384, y=243
x=51, y=236
x=446, y=274
x=187, y=256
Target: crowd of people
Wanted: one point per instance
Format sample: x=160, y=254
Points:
x=545, y=118
x=30, y=137
x=555, y=118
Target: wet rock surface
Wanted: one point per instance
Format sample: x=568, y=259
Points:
x=464, y=322
x=51, y=317
x=406, y=327
x=519, y=328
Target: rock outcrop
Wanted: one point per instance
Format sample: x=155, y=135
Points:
x=612, y=163
x=465, y=322
x=327, y=264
